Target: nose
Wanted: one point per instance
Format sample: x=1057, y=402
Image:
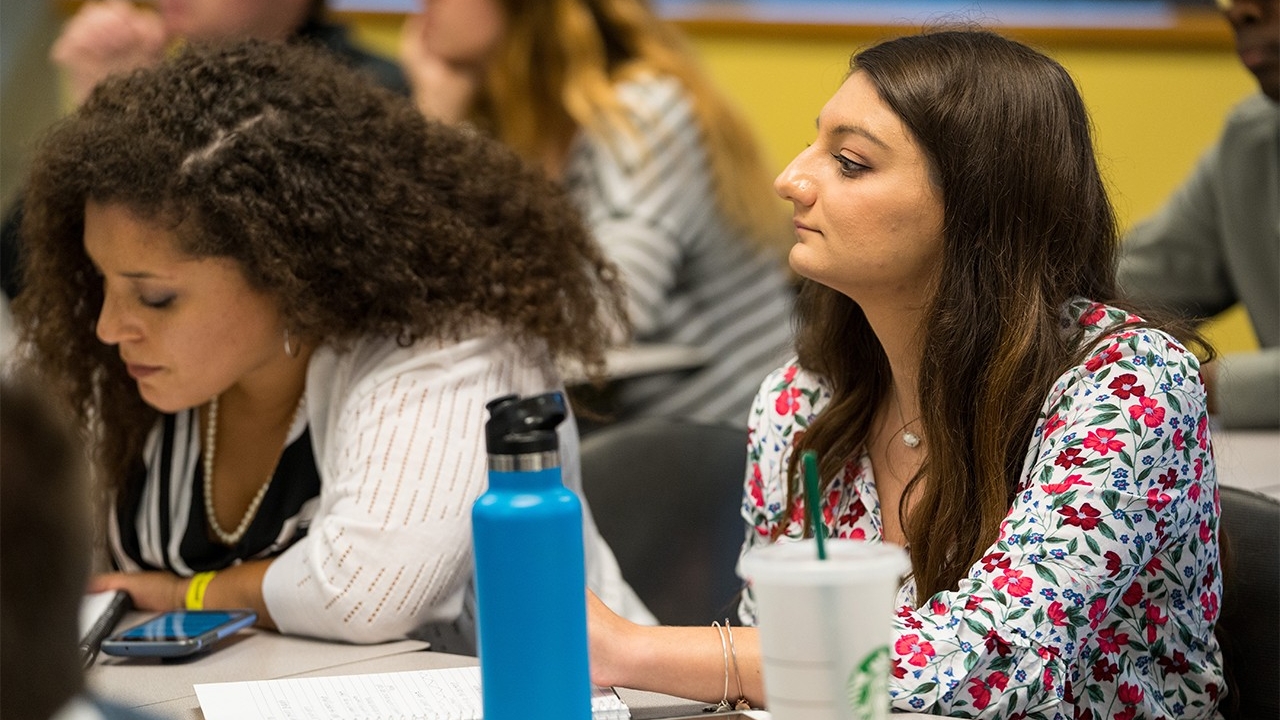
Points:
x=114, y=324
x=796, y=183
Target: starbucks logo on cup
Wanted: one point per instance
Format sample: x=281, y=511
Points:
x=868, y=686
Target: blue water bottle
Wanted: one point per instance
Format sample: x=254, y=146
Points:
x=530, y=571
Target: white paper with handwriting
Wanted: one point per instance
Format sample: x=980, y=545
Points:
x=439, y=694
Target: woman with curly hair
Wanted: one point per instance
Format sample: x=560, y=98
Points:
x=609, y=100
x=278, y=299
x=975, y=396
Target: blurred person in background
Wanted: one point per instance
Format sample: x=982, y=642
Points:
x=109, y=37
x=1216, y=242
x=609, y=100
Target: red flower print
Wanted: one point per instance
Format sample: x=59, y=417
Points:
x=1193, y=492
x=1130, y=694
x=787, y=404
x=996, y=644
x=1154, y=621
x=790, y=374
x=1113, y=561
x=909, y=619
x=981, y=695
x=1097, y=610
x=1157, y=500
x=858, y=534
x=1205, y=532
x=1013, y=582
x=973, y=602
x=756, y=486
x=1054, y=422
x=919, y=651
x=1065, y=485
x=1202, y=429
x=994, y=560
x=1149, y=410
x=1133, y=595
x=1129, y=713
x=1105, y=357
x=897, y=670
x=1104, y=670
x=1069, y=458
x=1057, y=615
x=1103, y=441
x=1126, y=385
x=937, y=608
x=1086, y=518
x=1109, y=641
x=998, y=680
x=1214, y=690
x=1168, y=479
x=1176, y=665
x=1179, y=442
x=1093, y=315
x=1209, y=601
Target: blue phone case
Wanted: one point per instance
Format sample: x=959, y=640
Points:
x=178, y=633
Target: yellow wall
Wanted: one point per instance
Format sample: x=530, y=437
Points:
x=1155, y=109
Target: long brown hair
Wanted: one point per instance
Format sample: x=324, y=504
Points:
x=557, y=70
x=360, y=217
x=1027, y=226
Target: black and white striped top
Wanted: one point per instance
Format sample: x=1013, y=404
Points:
x=692, y=279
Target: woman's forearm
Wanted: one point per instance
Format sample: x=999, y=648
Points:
x=691, y=662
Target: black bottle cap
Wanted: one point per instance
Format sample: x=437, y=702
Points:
x=519, y=426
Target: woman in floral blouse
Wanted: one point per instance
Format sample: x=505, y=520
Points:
x=1043, y=456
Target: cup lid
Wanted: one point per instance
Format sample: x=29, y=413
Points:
x=796, y=562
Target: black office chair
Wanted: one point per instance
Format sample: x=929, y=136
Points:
x=1249, y=628
x=666, y=495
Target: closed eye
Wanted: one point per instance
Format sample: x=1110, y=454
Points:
x=158, y=303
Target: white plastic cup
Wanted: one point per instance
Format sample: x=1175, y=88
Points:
x=825, y=626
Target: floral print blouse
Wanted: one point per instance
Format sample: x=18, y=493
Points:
x=1099, y=598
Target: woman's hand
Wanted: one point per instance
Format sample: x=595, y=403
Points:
x=107, y=38
x=153, y=591
x=442, y=90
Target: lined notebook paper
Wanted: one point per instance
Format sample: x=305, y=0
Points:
x=440, y=694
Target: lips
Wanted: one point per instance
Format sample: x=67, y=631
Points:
x=801, y=226
x=138, y=372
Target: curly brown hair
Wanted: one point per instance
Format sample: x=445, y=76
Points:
x=337, y=198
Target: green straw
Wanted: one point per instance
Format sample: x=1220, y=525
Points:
x=809, y=459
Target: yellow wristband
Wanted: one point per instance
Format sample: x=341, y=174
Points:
x=195, y=589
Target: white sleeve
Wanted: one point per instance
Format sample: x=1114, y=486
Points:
x=402, y=458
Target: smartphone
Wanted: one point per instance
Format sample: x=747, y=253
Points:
x=178, y=633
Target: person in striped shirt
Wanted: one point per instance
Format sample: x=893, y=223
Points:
x=609, y=100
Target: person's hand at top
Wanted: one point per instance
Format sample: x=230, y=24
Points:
x=444, y=51
x=106, y=38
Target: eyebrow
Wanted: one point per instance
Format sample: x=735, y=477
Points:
x=845, y=129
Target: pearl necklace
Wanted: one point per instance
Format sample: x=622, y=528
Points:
x=210, y=448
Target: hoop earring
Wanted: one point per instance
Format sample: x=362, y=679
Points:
x=289, y=349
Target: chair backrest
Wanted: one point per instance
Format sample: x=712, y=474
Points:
x=1249, y=627
x=666, y=495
